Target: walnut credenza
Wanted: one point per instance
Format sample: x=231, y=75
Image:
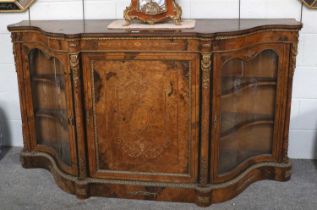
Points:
x=193, y=115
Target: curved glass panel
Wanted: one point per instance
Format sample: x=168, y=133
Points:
x=247, y=108
x=49, y=103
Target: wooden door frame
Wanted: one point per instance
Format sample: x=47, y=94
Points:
x=281, y=50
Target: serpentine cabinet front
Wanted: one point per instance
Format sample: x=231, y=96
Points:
x=184, y=118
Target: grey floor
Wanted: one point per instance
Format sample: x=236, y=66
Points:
x=35, y=189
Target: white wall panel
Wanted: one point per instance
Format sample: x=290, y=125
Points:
x=270, y=9
x=214, y=9
x=303, y=144
x=310, y=18
x=56, y=10
x=307, y=50
x=100, y=9
x=6, y=55
x=8, y=79
x=186, y=8
x=9, y=104
x=305, y=118
x=294, y=112
x=305, y=82
x=121, y=5
x=9, y=18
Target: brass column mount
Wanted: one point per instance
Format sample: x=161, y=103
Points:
x=206, y=68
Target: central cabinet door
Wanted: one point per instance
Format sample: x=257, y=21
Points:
x=142, y=116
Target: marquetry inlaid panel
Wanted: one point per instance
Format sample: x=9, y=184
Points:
x=143, y=113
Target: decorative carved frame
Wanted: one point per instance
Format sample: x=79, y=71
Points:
x=15, y=5
x=173, y=12
x=312, y=4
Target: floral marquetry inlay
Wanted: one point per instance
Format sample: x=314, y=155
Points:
x=146, y=99
x=138, y=119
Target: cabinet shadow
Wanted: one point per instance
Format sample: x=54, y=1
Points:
x=5, y=135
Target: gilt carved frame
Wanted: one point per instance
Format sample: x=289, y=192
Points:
x=15, y=5
x=312, y=4
x=154, y=14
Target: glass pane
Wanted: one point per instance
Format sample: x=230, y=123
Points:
x=247, y=108
x=49, y=103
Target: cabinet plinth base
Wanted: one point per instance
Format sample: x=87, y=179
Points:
x=189, y=193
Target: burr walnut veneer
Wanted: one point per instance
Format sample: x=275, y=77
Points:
x=194, y=115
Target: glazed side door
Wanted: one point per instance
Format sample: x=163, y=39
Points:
x=142, y=115
x=248, y=108
x=49, y=110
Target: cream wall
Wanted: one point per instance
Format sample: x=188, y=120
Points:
x=303, y=134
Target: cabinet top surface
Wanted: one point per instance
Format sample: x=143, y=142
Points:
x=204, y=27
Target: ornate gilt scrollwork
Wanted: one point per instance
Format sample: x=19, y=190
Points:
x=74, y=61
x=292, y=67
x=206, y=68
x=205, y=82
x=294, y=52
x=15, y=55
x=74, y=65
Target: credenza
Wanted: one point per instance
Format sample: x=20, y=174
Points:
x=192, y=115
